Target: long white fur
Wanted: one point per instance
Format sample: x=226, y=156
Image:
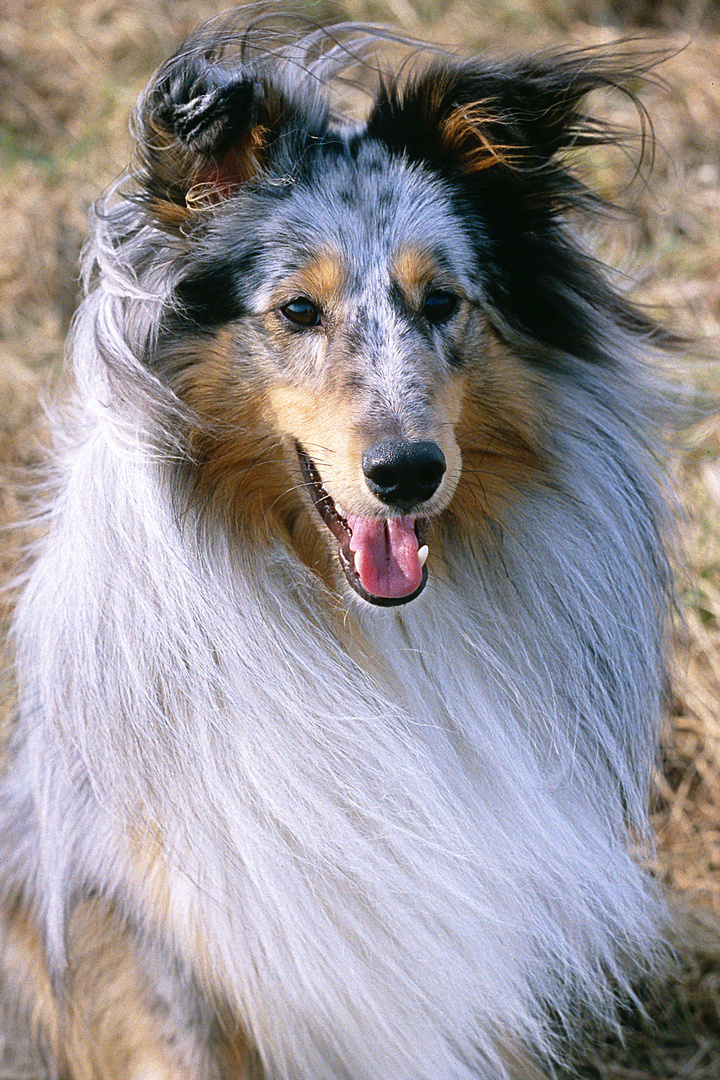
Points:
x=393, y=862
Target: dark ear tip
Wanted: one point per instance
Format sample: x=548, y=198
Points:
x=198, y=106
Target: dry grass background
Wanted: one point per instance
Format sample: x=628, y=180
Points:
x=70, y=71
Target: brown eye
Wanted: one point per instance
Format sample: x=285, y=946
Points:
x=439, y=306
x=302, y=312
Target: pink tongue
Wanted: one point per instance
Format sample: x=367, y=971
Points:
x=386, y=555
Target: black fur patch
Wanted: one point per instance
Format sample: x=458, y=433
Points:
x=513, y=188
x=215, y=293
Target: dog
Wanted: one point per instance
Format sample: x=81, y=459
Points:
x=341, y=656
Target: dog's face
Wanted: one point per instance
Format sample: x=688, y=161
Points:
x=352, y=328
x=349, y=333
x=340, y=321
x=367, y=305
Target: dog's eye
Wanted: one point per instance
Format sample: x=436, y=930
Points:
x=302, y=312
x=440, y=306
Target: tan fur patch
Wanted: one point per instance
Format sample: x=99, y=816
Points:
x=449, y=406
x=414, y=269
x=194, y=183
x=499, y=436
x=323, y=277
x=168, y=213
x=242, y=161
x=25, y=979
x=112, y=1029
x=239, y=463
x=327, y=429
x=329, y=421
x=520, y=1066
x=462, y=132
x=246, y=472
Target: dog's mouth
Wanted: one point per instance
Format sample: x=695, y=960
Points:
x=383, y=558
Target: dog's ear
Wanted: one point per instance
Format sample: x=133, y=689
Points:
x=204, y=129
x=466, y=117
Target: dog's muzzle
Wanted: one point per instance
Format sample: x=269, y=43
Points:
x=383, y=557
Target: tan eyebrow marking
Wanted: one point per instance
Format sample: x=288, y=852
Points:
x=323, y=277
x=414, y=268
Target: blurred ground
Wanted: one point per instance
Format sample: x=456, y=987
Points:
x=70, y=71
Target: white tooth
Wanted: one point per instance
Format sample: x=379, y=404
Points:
x=423, y=553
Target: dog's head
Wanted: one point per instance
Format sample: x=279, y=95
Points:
x=363, y=313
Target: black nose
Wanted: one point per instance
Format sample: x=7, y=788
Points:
x=403, y=474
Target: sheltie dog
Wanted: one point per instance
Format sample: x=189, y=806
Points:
x=341, y=657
